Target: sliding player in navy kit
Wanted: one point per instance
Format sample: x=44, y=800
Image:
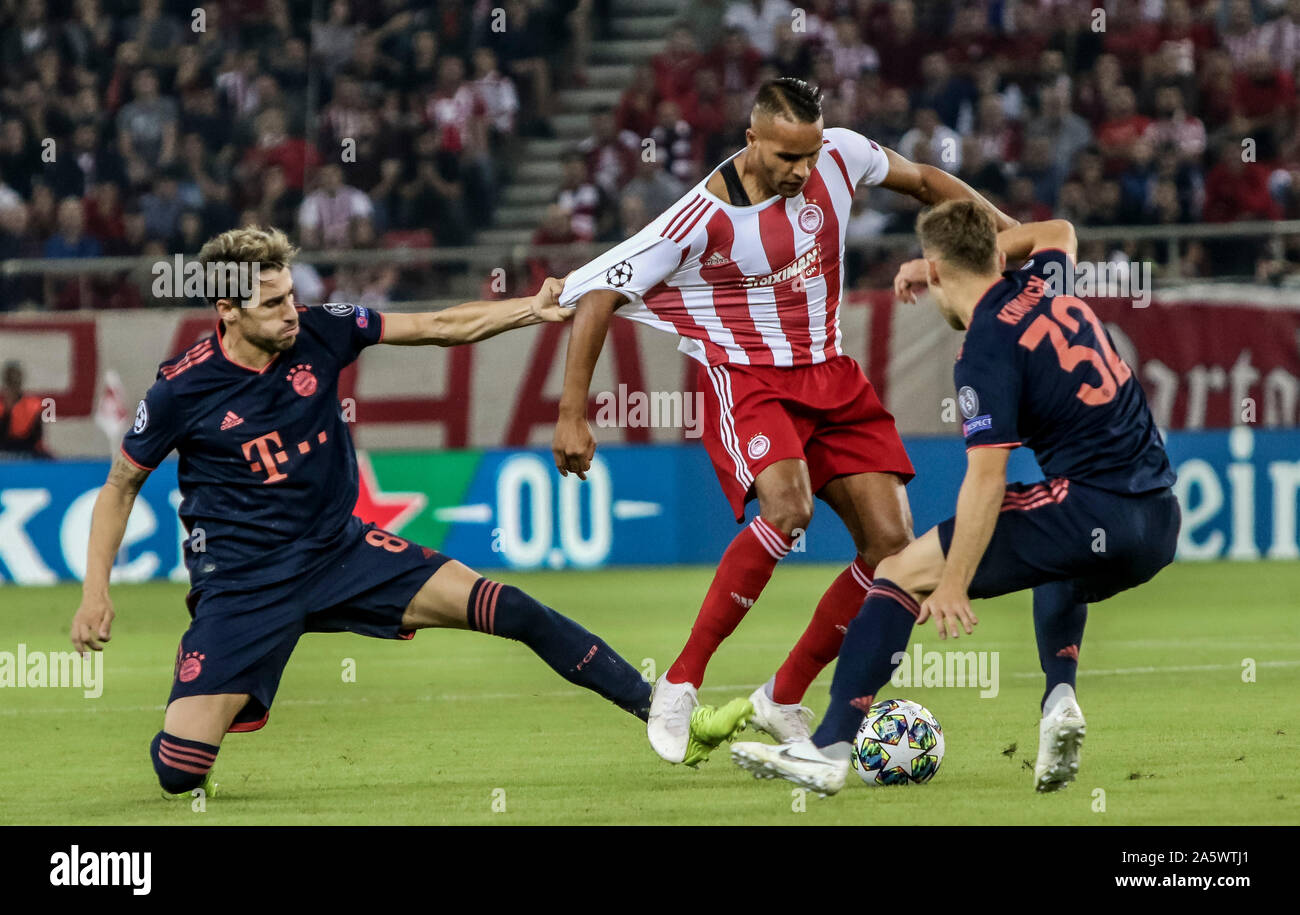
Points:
x=1037, y=369
x=268, y=478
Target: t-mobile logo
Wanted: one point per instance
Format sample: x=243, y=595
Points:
x=270, y=460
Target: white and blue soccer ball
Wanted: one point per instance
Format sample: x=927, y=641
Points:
x=900, y=743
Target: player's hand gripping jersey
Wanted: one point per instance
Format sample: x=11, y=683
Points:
x=1040, y=370
x=267, y=470
x=755, y=285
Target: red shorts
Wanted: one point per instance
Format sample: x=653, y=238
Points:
x=827, y=415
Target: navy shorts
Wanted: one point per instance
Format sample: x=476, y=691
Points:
x=240, y=641
x=1063, y=530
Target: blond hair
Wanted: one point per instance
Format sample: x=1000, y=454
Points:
x=962, y=233
x=236, y=250
x=249, y=245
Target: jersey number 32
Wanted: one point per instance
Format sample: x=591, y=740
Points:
x=1112, y=369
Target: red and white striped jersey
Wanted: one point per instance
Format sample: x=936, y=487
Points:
x=753, y=285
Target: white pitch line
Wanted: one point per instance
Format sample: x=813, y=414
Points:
x=563, y=693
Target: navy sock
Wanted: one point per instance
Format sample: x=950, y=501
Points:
x=1059, y=618
x=571, y=651
x=881, y=630
x=181, y=764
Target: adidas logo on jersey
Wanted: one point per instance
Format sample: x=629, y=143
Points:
x=231, y=421
x=715, y=260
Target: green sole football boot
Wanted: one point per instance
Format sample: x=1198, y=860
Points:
x=209, y=786
x=711, y=726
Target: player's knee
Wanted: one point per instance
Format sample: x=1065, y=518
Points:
x=884, y=546
x=791, y=512
x=181, y=764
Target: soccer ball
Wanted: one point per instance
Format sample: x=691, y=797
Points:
x=899, y=743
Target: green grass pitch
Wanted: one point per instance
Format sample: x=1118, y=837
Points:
x=459, y=728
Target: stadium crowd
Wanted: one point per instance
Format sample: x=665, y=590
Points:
x=1140, y=112
x=143, y=128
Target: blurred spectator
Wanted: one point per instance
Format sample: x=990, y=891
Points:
x=103, y=214
x=147, y=124
x=636, y=111
x=736, y=62
x=1242, y=37
x=163, y=205
x=931, y=142
x=522, y=49
x=760, y=20
x=1023, y=204
x=949, y=95
x=1235, y=189
x=891, y=120
x=582, y=199
x=902, y=45
x=1264, y=101
x=332, y=40
x=327, y=215
x=674, y=67
x=21, y=426
x=1176, y=128
x=494, y=93
x=71, y=239
x=17, y=290
x=294, y=156
x=998, y=137
x=610, y=155
x=704, y=106
x=653, y=184
x=676, y=142
x=1282, y=37
x=1123, y=127
x=1040, y=166
x=86, y=164
x=556, y=229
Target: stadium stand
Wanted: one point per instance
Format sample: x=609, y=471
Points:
x=140, y=129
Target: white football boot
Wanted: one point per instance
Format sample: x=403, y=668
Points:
x=798, y=761
x=784, y=722
x=669, y=723
x=1060, y=735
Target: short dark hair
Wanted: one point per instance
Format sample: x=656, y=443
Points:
x=961, y=232
x=795, y=99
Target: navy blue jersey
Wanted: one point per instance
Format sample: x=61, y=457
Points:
x=268, y=475
x=1040, y=370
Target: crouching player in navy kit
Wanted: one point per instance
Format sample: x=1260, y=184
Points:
x=1037, y=369
x=268, y=478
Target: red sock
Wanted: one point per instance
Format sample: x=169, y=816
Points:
x=742, y=574
x=820, y=642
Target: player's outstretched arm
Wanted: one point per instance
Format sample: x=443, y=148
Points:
x=932, y=185
x=978, y=504
x=93, y=621
x=474, y=321
x=573, y=444
x=1020, y=241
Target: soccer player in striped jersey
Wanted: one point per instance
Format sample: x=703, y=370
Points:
x=747, y=269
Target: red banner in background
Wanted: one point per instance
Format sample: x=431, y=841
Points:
x=1208, y=358
x=1207, y=364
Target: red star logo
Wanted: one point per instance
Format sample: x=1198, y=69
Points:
x=389, y=510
